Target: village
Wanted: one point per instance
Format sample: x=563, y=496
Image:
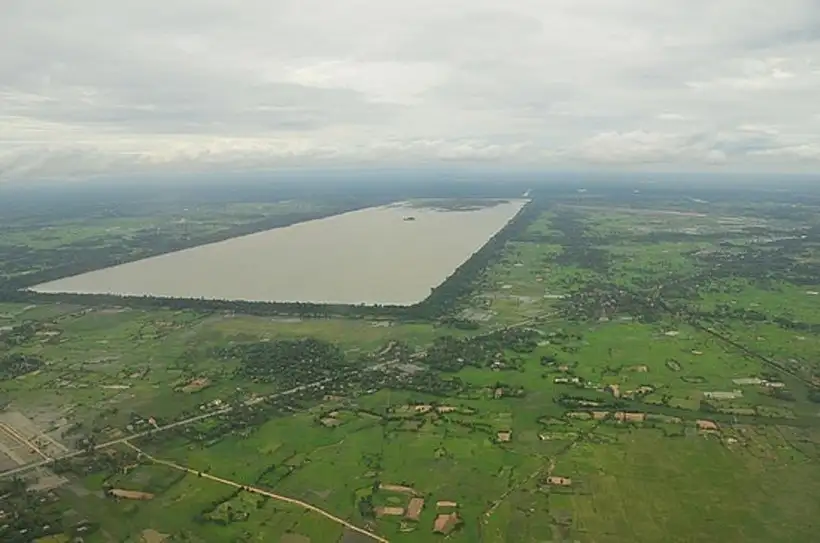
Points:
x=525, y=395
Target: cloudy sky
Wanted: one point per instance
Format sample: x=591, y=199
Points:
x=143, y=86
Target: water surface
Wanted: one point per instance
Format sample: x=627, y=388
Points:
x=371, y=256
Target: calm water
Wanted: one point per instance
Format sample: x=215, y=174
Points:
x=368, y=256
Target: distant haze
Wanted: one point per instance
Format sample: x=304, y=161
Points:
x=373, y=256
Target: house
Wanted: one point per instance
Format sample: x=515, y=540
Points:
x=614, y=389
x=445, y=524
x=748, y=381
x=414, y=508
x=559, y=481
x=389, y=511
x=630, y=417
x=707, y=425
x=504, y=437
x=718, y=395
x=397, y=488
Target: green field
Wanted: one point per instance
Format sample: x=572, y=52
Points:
x=631, y=375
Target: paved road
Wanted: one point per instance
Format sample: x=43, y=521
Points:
x=260, y=491
x=191, y=420
x=183, y=422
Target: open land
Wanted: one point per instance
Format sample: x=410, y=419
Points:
x=640, y=371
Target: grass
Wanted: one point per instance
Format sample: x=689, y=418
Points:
x=351, y=334
x=780, y=300
x=659, y=480
x=99, y=231
x=652, y=488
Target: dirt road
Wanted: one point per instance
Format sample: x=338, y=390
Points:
x=259, y=491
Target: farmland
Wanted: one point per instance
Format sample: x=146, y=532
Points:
x=645, y=371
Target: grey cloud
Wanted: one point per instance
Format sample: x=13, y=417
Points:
x=189, y=108
x=88, y=87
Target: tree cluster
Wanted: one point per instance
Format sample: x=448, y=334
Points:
x=450, y=354
x=288, y=362
x=16, y=364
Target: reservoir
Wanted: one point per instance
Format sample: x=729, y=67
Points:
x=382, y=255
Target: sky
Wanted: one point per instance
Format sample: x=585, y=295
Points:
x=93, y=88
